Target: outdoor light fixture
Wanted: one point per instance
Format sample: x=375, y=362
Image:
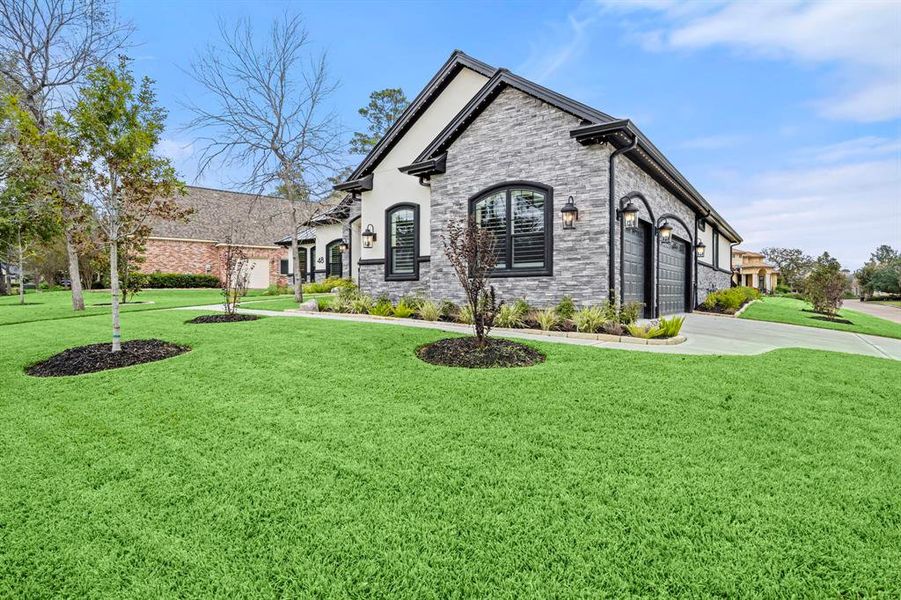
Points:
x=344, y=247
x=666, y=232
x=570, y=214
x=630, y=216
x=700, y=249
x=368, y=236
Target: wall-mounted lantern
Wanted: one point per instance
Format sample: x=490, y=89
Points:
x=630, y=216
x=666, y=232
x=570, y=214
x=700, y=249
x=343, y=247
x=368, y=236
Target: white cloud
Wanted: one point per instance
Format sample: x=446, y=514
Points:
x=562, y=45
x=862, y=40
x=828, y=203
x=176, y=150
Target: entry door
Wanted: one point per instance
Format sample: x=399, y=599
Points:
x=673, y=277
x=635, y=278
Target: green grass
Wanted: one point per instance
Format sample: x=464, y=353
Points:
x=58, y=305
x=299, y=457
x=283, y=303
x=896, y=303
x=798, y=312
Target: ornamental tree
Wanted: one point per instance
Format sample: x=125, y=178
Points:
x=118, y=124
x=826, y=285
x=471, y=251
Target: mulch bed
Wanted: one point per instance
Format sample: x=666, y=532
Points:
x=223, y=318
x=465, y=352
x=833, y=320
x=97, y=357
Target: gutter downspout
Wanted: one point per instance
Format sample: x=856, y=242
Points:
x=694, y=299
x=611, y=231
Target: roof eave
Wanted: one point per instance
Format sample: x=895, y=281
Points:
x=426, y=168
x=361, y=184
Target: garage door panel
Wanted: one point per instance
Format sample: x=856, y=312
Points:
x=673, y=274
x=256, y=270
x=634, y=261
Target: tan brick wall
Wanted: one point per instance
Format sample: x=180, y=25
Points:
x=198, y=257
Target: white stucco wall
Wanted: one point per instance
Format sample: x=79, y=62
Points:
x=706, y=236
x=725, y=253
x=304, y=248
x=390, y=186
x=325, y=234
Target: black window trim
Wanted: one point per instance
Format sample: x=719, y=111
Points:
x=507, y=186
x=414, y=276
x=328, y=251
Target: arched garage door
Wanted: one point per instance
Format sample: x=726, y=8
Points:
x=635, y=261
x=673, y=277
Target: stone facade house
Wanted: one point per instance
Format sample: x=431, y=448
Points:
x=483, y=143
x=250, y=221
x=751, y=269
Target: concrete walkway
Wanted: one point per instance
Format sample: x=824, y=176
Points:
x=706, y=335
x=883, y=311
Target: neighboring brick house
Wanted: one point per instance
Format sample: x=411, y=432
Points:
x=482, y=143
x=250, y=221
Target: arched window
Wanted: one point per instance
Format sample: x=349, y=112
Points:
x=333, y=266
x=402, y=247
x=519, y=215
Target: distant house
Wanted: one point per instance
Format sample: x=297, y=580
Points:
x=250, y=221
x=751, y=269
x=320, y=245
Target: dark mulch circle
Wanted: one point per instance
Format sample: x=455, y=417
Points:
x=223, y=318
x=835, y=320
x=97, y=357
x=465, y=352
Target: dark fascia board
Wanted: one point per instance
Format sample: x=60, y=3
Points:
x=427, y=167
x=359, y=184
x=620, y=134
x=457, y=61
x=492, y=88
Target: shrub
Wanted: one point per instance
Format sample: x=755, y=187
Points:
x=565, y=308
x=547, y=319
x=361, y=304
x=671, y=327
x=382, y=307
x=465, y=315
x=590, y=319
x=429, y=311
x=646, y=332
x=449, y=310
x=826, y=285
x=179, y=280
x=414, y=302
x=729, y=300
x=403, y=309
x=276, y=290
x=327, y=285
x=512, y=315
x=630, y=312
x=324, y=304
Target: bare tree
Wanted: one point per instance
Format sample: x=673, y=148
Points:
x=47, y=47
x=269, y=115
x=234, y=270
x=471, y=251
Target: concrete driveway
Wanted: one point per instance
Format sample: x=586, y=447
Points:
x=723, y=335
x=883, y=311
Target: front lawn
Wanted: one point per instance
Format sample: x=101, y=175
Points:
x=312, y=458
x=41, y=306
x=798, y=312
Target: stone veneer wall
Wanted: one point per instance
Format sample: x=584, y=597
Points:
x=710, y=280
x=372, y=282
x=518, y=137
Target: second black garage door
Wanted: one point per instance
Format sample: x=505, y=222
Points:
x=635, y=271
x=673, y=277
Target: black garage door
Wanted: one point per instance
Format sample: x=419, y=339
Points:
x=635, y=248
x=673, y=277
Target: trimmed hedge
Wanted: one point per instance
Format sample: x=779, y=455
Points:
x=729, y=300
x=179, y=280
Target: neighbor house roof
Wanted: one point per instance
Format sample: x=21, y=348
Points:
x=249, y=219
x=595, y=127
x=304, y=236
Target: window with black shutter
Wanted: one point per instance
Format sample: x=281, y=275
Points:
x=402, y=249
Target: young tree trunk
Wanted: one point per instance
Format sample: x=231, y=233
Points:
x=21, y=269
x=74, y=273
x=114, y=292
x=298, y=280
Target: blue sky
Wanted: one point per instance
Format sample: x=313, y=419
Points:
x=786, y=116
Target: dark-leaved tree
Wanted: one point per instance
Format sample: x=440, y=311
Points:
x=384, y=107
